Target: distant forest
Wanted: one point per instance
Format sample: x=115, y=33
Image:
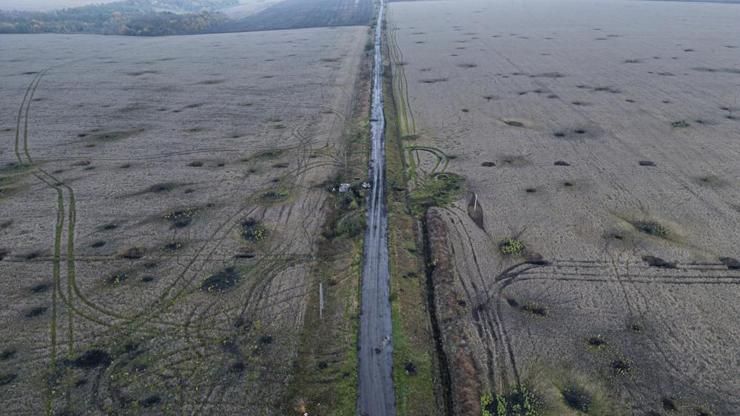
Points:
x=182, y=17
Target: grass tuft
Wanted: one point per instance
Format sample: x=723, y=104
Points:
x=437, y=190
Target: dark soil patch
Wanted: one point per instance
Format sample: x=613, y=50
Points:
x=530, y=190
x=161, y=187
x=98, y=244
x=433, y=80
x=238, y=367
x=669, y=404
x=91, y=359
x=534, y=309
x=150, y=401
x=36, y=311
x=265, y=339
x=109, y=226
x=173, y=246
x=488, y=164
x=577, y=398
x=6, y=379
x=116, y=278
x=658, y=262
x=7, y=354
x=559, y=134
x=111, y=136
x=731, y=263
x=512, y=302
x=561, y=163
x=620, y=366
x=41, y=288
x=180, y=218
x=147, y=279
x=597, y=342
x=273, y=196
x=221, y=281
x=513, y=123
x=133, y=253
x=410, y=368
x=4, y=253
x=646, y=163
x=32, y=255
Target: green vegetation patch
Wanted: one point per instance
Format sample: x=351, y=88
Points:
x=110, y=136
x=10, y=175
x=273, y=196
x=651, y=228
x=253, y=231
x=511, y=247
x=437, y=190
x=520, y=401
x=180, y=218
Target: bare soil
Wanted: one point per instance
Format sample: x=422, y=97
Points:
x=130, y=283
x=584, y=129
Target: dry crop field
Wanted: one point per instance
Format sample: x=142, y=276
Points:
x=161, y=203
x=590, y=266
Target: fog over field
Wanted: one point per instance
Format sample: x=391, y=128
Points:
x=43, y=5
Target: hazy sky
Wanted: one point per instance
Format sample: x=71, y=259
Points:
x=45, y=4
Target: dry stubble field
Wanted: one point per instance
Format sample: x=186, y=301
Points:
x=591, y=265
x=161, y=203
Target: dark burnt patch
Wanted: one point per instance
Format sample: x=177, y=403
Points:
x=577, y=398
x=621, y=366
x=653, y=261
x=108, y=227
x=133, y=253
x=534, y=309
x=36, y=311
x=730, y=263
x=669, y=404
x=150, y=401
x=652, y=228
x=116, y=278
x=221, y=281
x=40, y=288
x=93, y=358
x=8, y=354
x=596, y=342
x=180, y=218
x=7, y=378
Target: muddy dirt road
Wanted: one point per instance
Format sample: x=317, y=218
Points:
x=375, y=353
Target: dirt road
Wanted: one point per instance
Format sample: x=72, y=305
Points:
x=375, y=349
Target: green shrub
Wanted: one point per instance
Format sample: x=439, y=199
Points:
x=511, y=246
